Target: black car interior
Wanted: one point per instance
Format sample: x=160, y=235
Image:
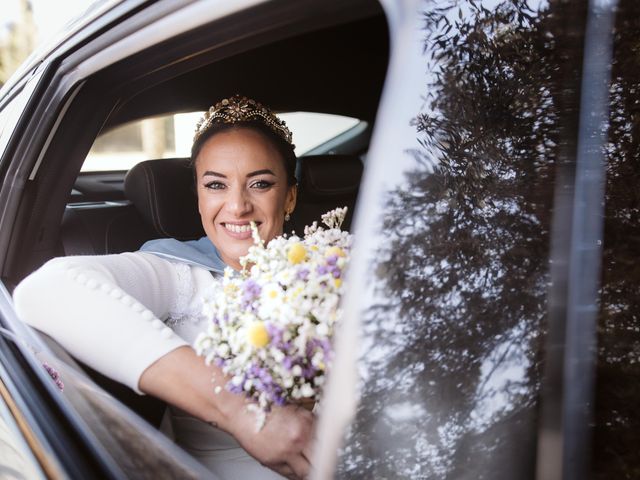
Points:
x=334, y=64
x=162, y=204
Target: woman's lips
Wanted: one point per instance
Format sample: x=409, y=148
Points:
x=240, y=231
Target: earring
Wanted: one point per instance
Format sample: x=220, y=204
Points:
x=287, y=216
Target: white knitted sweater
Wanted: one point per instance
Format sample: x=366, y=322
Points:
x=116, y=313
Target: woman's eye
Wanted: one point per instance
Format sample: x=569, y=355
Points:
x=214, y=185
x=261, y=184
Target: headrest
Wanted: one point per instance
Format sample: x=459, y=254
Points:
x=329, y=177
x=163, y=193
x=326, y=182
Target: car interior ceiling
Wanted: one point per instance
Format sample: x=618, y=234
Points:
x=338, y=69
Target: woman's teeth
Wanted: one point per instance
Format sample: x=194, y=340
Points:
x=238, y=228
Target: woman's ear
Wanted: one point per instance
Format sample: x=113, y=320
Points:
x=292, y=197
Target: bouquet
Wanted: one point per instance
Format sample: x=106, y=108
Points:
x=270, y=325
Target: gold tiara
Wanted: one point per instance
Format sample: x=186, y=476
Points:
x=242, y=109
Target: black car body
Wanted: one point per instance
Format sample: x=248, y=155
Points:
x=491, y=323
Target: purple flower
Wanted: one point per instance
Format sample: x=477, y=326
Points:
x=309, y=372
x=303, y=274
x=336, y=272
x=311, y=346
x=250, y=292
x=275, y=334
x=53, y=373
x=322, y=269
x=287, y=363
x=234, y=388
x=332, y=259
x=251, y=288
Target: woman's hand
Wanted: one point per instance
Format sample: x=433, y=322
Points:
x=181, y=378
x=284, y=442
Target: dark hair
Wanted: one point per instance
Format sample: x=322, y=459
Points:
x=282, y=146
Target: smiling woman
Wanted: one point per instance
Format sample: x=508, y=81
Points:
x=244, y=163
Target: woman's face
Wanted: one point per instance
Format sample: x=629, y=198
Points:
x=241, y=178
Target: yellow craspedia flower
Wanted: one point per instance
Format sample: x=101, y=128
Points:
x=337, y=251
x=297, y=253
x=337, y=282
x=230, y=288
x=257, y=335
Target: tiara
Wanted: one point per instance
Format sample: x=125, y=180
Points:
x=242, y=109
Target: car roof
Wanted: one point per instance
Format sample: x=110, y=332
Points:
x=338, y=69
x=77, y=30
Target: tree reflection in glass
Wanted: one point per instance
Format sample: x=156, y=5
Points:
x=452, y=358
x=617, y=416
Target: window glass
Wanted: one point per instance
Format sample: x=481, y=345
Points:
x=136, y=448
x=617, y=416
x=171, y=136
x=455, y=312
x=16, y=460
x=12, y=111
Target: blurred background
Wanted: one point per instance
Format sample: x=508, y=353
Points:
x=25, y=24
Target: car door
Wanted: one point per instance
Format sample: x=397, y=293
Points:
x=84, y=82
x=75, y=430
x=29, y=450
x=473, y=320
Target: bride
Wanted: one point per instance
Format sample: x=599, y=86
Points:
x=133, y=316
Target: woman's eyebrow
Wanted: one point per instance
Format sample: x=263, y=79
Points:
x=213, y=174
x=261, y=172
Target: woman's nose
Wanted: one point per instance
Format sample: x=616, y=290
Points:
x=238, y=202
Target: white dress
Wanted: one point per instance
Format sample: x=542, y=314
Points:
x=142, y=307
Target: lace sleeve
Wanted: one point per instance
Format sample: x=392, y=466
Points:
x=185, y=304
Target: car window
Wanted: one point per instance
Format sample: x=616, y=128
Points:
x=13, y=109
x=172, y=135
x=617, y=417
x=17, y=460
x=458, y=238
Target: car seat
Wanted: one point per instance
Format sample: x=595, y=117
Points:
x=163, y=193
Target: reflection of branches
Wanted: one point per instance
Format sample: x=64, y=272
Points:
x=465, y=269
x=498, y=363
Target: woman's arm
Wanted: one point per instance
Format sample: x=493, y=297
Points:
x=106, y=311
x=283, y=444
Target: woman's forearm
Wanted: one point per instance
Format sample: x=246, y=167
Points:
x=182, y=378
